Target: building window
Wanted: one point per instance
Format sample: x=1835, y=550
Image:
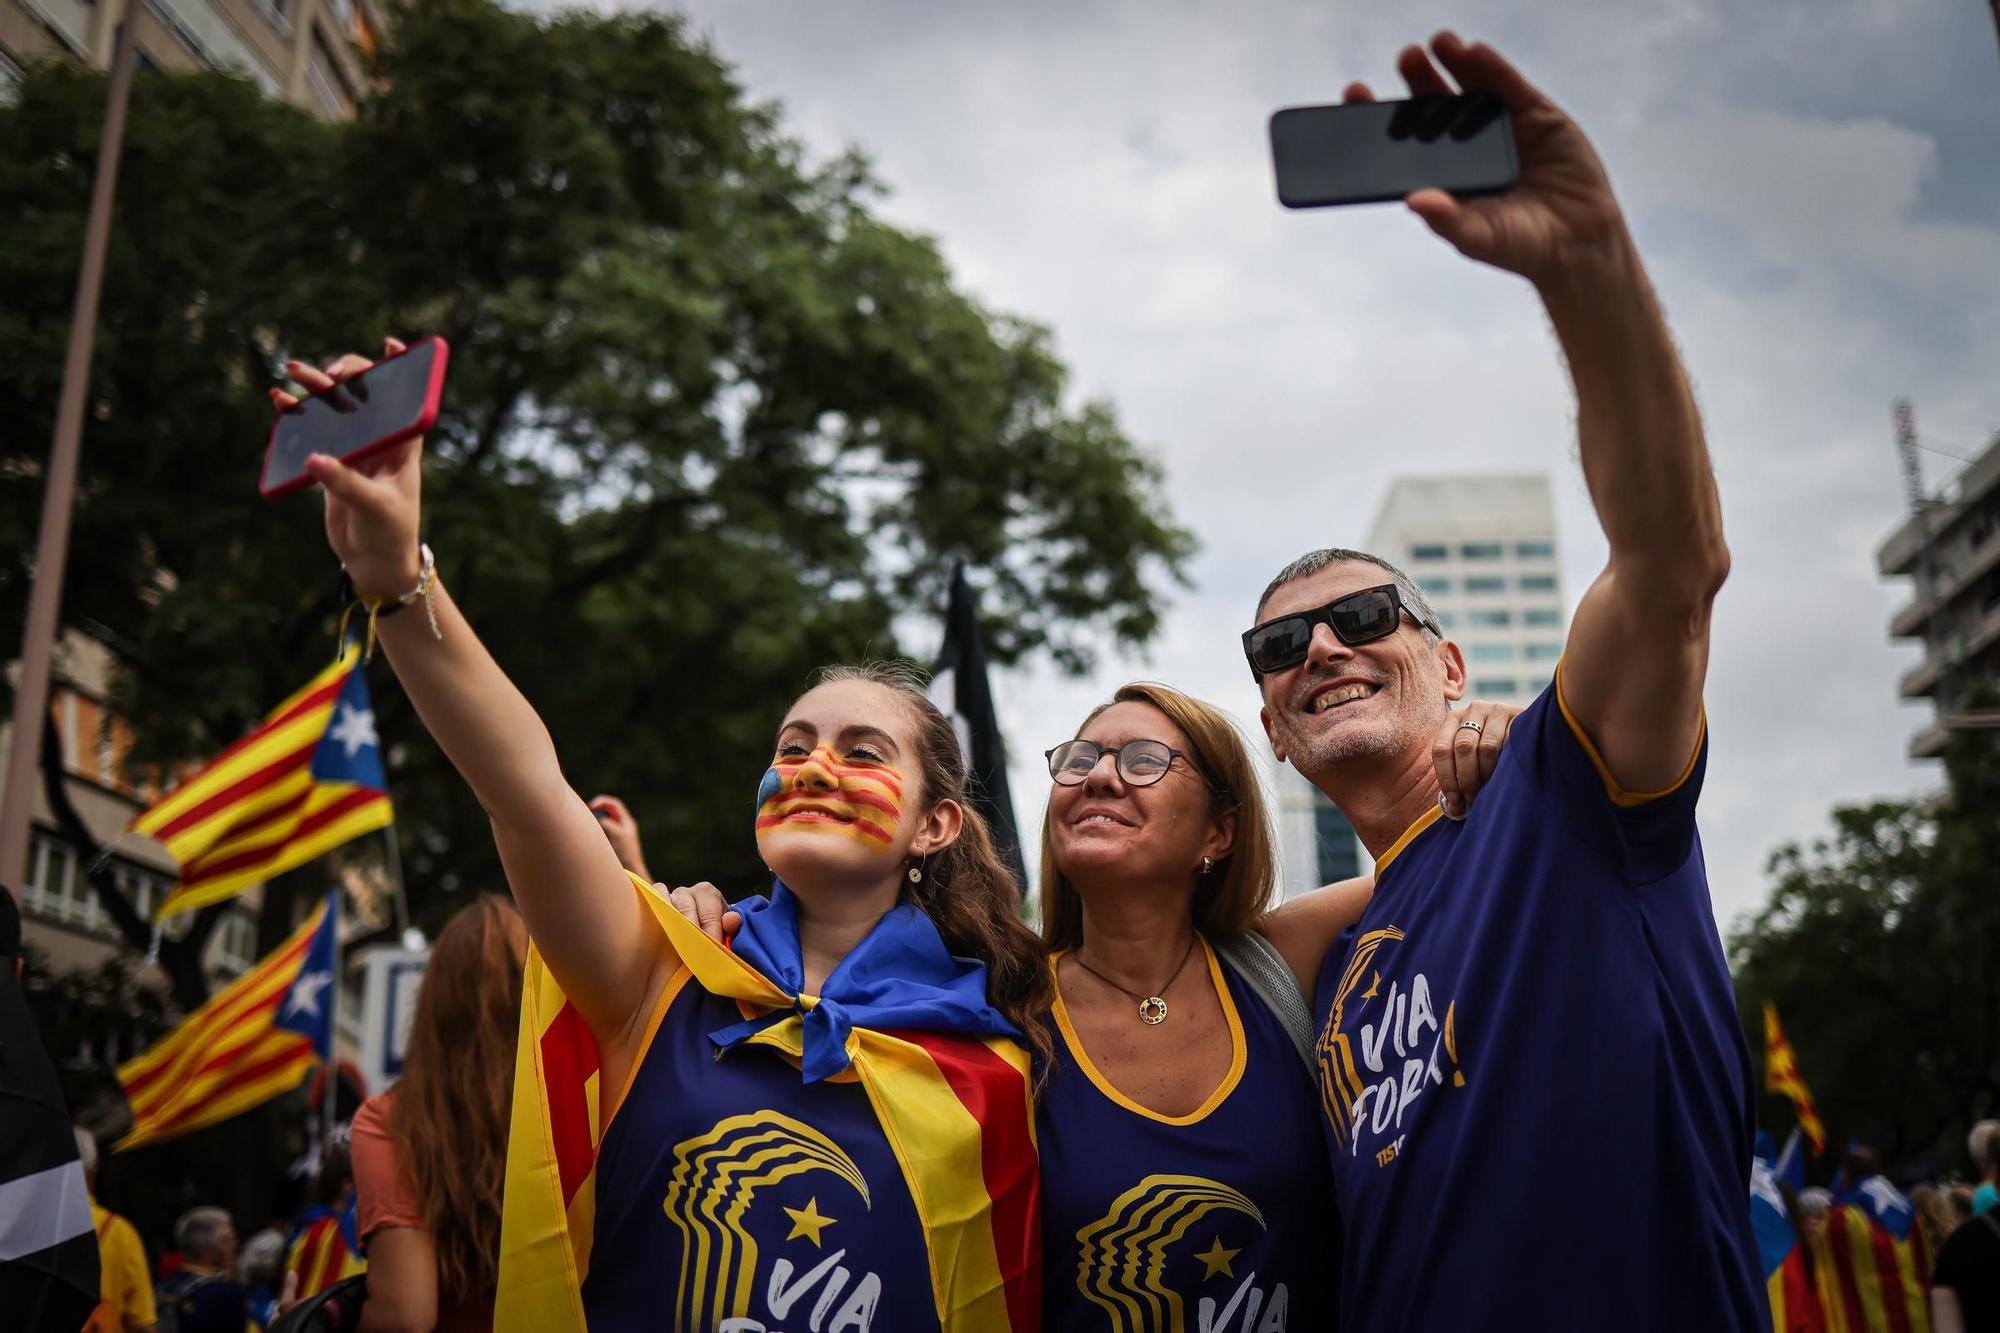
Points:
x=1544, y=652
x=1486, y=583
x=1446, y=619
x=56, y=885
x=234, y=944
x=1535, y=550
x=1491, y=652
x=1480, y=550
x=1436, y=587
x=1492, y=687
x=1429, y=551
x=1537, y=686
x=1541, y=615
x=1489, y=619
x=1538, y=583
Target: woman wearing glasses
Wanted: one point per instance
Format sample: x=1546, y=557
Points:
x=1184, y=1177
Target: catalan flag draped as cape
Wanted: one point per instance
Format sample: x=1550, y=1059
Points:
x=1781, y=1075
x=1874, y=1269
x=251, y=1042
x=955, y=1106
x=307, y=780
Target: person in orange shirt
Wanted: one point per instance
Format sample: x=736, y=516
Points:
x=127, y=1304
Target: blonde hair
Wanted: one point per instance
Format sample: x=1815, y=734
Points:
x=1231, y=897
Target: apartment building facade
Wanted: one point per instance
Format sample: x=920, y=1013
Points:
x=1950, y=551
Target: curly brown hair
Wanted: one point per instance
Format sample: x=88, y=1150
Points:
x=967, y=890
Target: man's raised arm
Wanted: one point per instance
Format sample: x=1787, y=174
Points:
x=1632, y=674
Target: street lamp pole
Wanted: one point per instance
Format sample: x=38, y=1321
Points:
x=31, y=693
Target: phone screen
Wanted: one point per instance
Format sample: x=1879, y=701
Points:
x=381, y=402
x=1371, y=152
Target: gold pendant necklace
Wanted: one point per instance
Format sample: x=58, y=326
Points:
x=1152, y=1008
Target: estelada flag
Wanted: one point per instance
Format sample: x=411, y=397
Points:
x=323, y=1248
x=1781, y=1075
x=956, y=1110
x=1794, y=1304
x=252, y=1041
x=1874, y=1268
x=307, y=780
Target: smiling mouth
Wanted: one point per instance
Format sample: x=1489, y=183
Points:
x=1346, y=694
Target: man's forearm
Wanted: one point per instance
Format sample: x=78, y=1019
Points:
x=1639, y=432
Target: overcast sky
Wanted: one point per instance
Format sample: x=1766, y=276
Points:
x=1816, y=187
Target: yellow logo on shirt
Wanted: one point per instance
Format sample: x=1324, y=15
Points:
x=1373, y=1071
x=1122, y=1259
x=715, y=1182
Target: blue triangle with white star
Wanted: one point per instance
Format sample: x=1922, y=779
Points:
x=349, y=750
x=307, y=1008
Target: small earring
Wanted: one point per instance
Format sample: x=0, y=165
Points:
x=1207, y=864
x=916, y=875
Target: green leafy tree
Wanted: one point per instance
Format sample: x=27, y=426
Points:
x=710, y=421
x=1881, y=947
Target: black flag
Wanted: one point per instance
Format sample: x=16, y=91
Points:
x=48, y=1247
x=961, y=689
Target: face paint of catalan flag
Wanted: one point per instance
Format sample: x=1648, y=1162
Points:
x=821, y=792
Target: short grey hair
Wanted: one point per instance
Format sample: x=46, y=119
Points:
x=1312, y=562
x=200, y=1230
x=1984, y=1145
x=1815, y=1201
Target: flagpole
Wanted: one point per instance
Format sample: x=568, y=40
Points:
x=396, y=879
x=329, y=1086
x=38, y=636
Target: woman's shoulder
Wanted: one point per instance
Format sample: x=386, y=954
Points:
x=372, y=1119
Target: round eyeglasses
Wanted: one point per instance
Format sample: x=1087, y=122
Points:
x=1140, y=763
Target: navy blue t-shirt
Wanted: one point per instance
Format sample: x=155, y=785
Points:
x=1533, y=1079
x=1221, y=1219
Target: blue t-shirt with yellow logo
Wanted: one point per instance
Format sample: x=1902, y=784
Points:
x=1534, y=1083
x=733, y=1196
x=1221, y=1219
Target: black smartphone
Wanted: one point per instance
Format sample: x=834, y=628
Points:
x=1374, y=152
x=391, y=401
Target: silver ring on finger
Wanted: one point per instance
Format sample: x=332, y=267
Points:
x=1471, y=726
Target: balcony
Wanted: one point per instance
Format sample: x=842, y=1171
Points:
x=1953, y=580
x=1958, y=649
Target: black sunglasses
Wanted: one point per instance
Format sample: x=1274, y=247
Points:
x=1358, y=618
x=1140, y=763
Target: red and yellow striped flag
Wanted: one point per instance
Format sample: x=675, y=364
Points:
x=251, y=1042
x=958, y=1113
x=1869, y=1280
x=307, y=780
x=323, y=1250
x=1781, y=1075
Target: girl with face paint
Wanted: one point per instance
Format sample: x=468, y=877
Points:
x=828, y=1122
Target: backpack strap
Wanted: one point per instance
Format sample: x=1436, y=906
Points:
x=1263, y=970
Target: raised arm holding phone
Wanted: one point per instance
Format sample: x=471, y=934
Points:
x=1536, y=1014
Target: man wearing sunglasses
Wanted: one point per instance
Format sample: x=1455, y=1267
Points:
x=1534, y=1082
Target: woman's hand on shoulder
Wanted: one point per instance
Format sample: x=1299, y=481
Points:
x=373, y=504
x=704, y=905
x=1466, y=750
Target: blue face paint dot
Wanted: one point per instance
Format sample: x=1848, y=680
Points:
x=769, y=787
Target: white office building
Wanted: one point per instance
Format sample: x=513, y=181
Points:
x=1483, y=548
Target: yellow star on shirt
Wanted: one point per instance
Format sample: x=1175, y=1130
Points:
x=1217, y=1260
x=808, y=1221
